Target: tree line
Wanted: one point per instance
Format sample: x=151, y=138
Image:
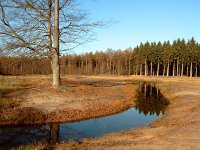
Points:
x=179, y=58
x=41, y=27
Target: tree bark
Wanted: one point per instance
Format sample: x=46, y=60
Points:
x=21, y=69
x=140, y=69
x=79, y=67
x=158, y=68
x=151, y=68
x=150, y=90
x=177, y=67
x=113, y=68
x=182, y=70
x=145, y=72
x=173, y=69
x=187, y=70
x=55, y=65
x=107, y=66
x=13, y=70
x=96, y=66
x=129, y=66
x=164, y=68
x=54, y=134
x=191, y=69
x=110, y=66
x=168, y=69
x=126, y=65
x=196, y=72
x=136, y=70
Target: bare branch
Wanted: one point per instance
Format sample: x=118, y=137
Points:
x=64, y=4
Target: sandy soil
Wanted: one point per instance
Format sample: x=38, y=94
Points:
x=178, y=129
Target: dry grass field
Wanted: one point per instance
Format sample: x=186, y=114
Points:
x=32, y=99
x=83, y=97
x=177, y=129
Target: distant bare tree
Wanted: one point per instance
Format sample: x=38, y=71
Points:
x=39, y=26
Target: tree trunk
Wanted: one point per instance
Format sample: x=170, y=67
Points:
x=196, y=72
x=79, y=67
x=191, y=69
x=55, y=52
x=173, y=69
x=157, y=91
x=95, y=69
x=21, y=69
x=110, y=65
x=107, y=66
x=187, y=70
x=136, y=70
x=177, y=67
x=182, y=70
x=126, y=65
x=151, y=90
x=158, y=68
x=151, y=68
x=54, y=135
x=164, y=69
x=168, y=69
x=82, y=66
x=129, y=66
x=140, y=69
x=145, y=72
x=13, y=69
x=55, y=69
x=113, y=68
x=118, y=67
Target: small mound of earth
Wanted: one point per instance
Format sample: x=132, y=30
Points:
x=74, y=97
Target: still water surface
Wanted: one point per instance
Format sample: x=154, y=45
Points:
x=150, y=105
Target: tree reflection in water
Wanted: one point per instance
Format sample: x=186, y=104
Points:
x=18, y=135
x=149, y=100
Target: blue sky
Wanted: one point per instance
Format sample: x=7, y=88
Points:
x=140, y=21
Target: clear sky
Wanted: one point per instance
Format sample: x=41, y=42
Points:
x=140, y=21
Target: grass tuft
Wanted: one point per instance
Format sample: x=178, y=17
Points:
x=5, y=103
x=7, y=83
x=38, y=146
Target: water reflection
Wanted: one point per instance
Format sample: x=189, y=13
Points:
x=149, y=105
x=149, y=100
x=14, y=136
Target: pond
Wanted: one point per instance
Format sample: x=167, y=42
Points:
x=150, y=105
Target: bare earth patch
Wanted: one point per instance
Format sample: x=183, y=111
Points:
x=77, y=99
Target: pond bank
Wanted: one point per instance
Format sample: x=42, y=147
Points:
x=177, y=129
x=36, y=102
x=149, y=105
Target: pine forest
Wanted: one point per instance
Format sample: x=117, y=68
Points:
x=180, y=58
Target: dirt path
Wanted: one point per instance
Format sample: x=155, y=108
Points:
x=178, y=129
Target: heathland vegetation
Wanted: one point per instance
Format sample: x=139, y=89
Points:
x=179, y=58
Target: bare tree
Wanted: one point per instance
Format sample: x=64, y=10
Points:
x=38, y=26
